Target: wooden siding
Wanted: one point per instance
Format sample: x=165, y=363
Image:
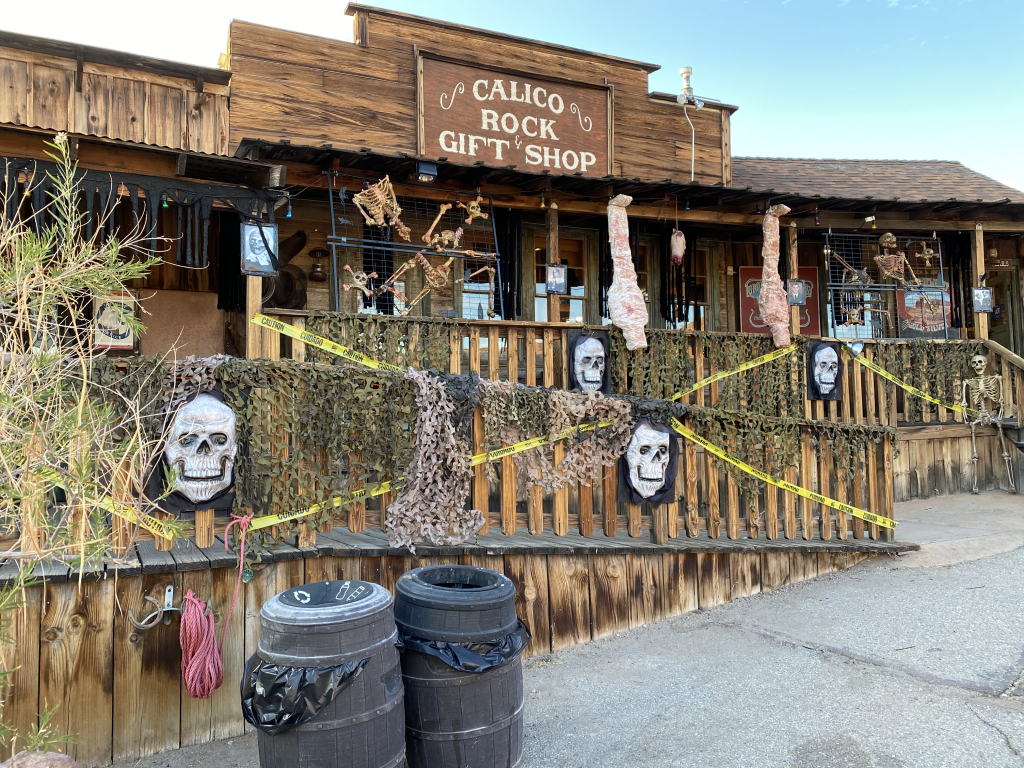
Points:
x=313, y=91
x=39, y=91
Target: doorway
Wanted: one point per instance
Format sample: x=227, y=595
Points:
x=1004, y=317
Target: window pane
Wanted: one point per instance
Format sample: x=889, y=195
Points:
x=540, y=310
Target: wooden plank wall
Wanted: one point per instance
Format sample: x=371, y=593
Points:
x=118, y=689
x=313, y=91
x=39, y=92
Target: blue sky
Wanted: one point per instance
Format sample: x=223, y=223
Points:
x=890, y=79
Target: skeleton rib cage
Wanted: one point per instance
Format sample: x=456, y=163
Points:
x=365, y=247
x=864, y=280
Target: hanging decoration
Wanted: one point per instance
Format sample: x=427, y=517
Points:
x=824, y=373
x=626, y=304
x=678, y=247
x=648, y=467
x=360, y=281
x=772, y=297
x=589, y=369
x=201, y=449
x=474, y=211
x=379, y=205
x=984, y=393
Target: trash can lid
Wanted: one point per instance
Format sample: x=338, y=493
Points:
x=326, y=593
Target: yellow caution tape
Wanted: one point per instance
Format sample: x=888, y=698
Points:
x=322, y=343
x=394, y=485
x=870, y=364
x=775, y=354
x=150, y=523
x=870, y=517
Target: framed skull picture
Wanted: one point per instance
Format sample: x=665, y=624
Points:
x=647, y=470
x=259, y=249
x=824, y=372
x=200, y=456
x=588, y=362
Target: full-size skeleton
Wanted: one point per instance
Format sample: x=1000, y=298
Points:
x=977, y=394
x=378, y=205
x=894, y=266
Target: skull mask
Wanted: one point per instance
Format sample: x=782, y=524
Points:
x=826, y=369
x=201, y=448
x=979, y=363
x=588, y=364
x=647, y=457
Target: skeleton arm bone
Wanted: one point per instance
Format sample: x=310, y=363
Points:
x=445, y=207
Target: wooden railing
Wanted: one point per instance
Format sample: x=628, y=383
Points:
x=709, y=501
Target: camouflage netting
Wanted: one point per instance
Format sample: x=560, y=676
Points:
x=423, y=343
x=513, y=413
x=936, y=368
x=432, y=505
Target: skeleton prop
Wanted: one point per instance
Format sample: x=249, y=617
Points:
x=894, y=266
x=201, y=448
x=473, y=210
x=678, y=247
x=648, y=467
x=378, y=205
x=977, y=394
x=359, y=281
x=824, y=372
x=589, y=368
x=625, y=301
x=772, y=297
x=436, y=277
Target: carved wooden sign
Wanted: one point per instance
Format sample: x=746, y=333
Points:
x=470, y=114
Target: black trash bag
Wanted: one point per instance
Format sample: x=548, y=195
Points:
x=472, y=657
x=277, y=698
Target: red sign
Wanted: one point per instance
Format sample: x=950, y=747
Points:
x=750, y=313
x=470, y=114
x=924, y=312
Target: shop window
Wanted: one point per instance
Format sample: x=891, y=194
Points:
x=572, y=255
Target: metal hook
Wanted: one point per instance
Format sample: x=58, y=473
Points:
x=162, y=612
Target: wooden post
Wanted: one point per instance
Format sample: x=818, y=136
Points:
x=253, y=305
x=554, y=300
x=659, y=524
x=611, y=500
x=794, y=266
x=634, y=520
x=560, y=506
x=692, y=509
x=204, y=528
x=586, y=522
x=162, y=544
x=977, y=270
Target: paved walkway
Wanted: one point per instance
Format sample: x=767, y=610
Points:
x=909, y=661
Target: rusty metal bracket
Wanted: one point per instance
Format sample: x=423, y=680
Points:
x=162, y=612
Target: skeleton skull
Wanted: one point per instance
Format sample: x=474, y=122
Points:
x=588, y=363
x=201, y=448
x=647, y=457
x=978, y=364
x=826, y=368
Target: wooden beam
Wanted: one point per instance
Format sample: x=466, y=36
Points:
x=794, y=265
x=977, y=270
x=554, y=300
x=253, y=305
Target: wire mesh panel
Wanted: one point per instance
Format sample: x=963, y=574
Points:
x=438, y=256
x=886, y=286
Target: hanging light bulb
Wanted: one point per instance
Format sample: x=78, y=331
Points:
x=816, y=223
x=542, y=200
x=687, y=205
x=288, y=213
x=163, y=201
x=757, y=211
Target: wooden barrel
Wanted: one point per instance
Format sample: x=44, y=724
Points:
x=456, y=719
x=324, y=625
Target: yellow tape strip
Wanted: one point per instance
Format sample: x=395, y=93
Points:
x=870, y=364
x=151, y=524
x=394, y=485
x=325, y=344
x=773, y=355
x=870, y=517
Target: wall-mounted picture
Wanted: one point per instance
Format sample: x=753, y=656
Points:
x=982, y=299
x=796, y=293
x=556, y=279
x=824, y=372
x=259, y=250
x=110, y=314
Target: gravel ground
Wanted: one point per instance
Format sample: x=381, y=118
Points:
x=897, y=662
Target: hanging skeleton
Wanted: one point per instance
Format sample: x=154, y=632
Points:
x=894, y=266
x=473, y=210
x=378, y=204
x=927, y=254
x=436, y=277
x=359, y=281
x=977, y=393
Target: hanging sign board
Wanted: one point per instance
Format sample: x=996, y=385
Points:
x=472, y=114
x=111, y=330
x=750, y=313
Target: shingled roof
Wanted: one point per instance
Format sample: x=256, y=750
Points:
x=907, y=180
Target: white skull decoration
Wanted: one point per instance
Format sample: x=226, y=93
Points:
x=201, y=448
x=979, y=363
x=647, y=457
x=826, y=368
x=588, y=364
